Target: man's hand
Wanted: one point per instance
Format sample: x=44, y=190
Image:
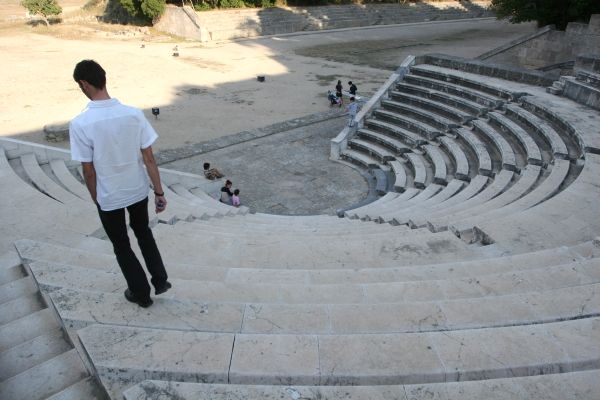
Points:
x=160, y=203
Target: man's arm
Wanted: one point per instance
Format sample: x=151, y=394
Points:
x=89, y=176
x=152, y=168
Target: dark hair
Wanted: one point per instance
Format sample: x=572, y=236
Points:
x=236, y=191
x=339, y=82
x=352, y=98
x=206, y=165
x=91, y=72
x=349, y=82
x=228, y=182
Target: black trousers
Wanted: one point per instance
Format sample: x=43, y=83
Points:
x=115, y=227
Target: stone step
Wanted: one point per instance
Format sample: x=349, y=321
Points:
x=410, y=123
x=545, y=190
x=381, y=153
x=402, y=217
x=507, y=153
x=86, y=388
x=15, y=289
x=573, y=385
x=479, y=148
x=409, y=137
x=526, y=182
x=32, y=352
x=53, y=276
x=20, y=307
x=472, y=354
x=61, y=172
x=444, y=270
x=438, y=221
x=472, y=189
x=461, y=161
x=26, y=328
x=33, y=384
x=456, y=102
x=79, y=309
x=10, y=274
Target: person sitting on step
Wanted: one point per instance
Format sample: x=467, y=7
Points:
x=211, y=173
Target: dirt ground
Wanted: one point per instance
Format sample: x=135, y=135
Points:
x=210, y=90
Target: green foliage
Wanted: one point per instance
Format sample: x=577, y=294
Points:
x=546, y=12
x=152, y=9
x=44, y=8
x=231, y=4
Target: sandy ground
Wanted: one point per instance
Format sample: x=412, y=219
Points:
x=211, y=90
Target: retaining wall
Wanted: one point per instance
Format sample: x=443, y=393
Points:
x=242, y=23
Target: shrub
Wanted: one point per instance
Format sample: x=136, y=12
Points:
x=43, y=8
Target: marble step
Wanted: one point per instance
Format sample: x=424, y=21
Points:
x=53, y=276
x=15, y=289
x=85, y=389
x=126, y=356
x=32, y=352
x=10, y=274
x=44, y=253
x=26, y=328
x=20, y=307
x=584, y=385
x=34, y=384
x=79, y=309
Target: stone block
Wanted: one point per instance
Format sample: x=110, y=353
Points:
x=579, y=340
x=127, y=356
x=275, y=360
x=499, y=352
x=283, y=318
x=379, y=360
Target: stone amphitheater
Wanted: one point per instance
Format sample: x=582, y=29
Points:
x=473, y=276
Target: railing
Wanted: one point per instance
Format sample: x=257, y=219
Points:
x=340, y=142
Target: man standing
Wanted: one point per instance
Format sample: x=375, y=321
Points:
x=113, y=143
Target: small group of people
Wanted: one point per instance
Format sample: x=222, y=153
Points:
x=337, y=98
x=229, y=197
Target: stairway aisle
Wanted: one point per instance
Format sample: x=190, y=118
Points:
x=33, y=346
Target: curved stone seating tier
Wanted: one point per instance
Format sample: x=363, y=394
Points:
x=400, y=181
x=408, y=122
x=359, y=158
x=436, y=222
x=396, y=145
x=465, y=80
x=560, y=114
x=557, y=144
x=474, y=187
x=526, y=182
x=507, y=153
x=372, y=314
x=442, y=123
x=478, y=148
x=400, y=217
x=545, y=190
x=581, y=384
x=456, y=102
x=449, y=112
x=44, y=184
x=348, y=214
x=337, y=359
x=58, y=257
x=68, y=180
x=431, y=191
x=411, y=138
x=532, y=150
x=461, y=162
x=419, y=168
x=473, y=95
x=364, y=211
x=569, y=217
x=381, y=153
x=440, y=170
x=183, y=192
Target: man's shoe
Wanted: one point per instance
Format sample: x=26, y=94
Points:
x=162, y=288
x=142, y=303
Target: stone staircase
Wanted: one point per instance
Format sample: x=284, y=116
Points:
x=584, y=87
x=486, y=283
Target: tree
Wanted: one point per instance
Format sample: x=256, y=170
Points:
x=44, y=8
x=147, y=9
x=546, y=12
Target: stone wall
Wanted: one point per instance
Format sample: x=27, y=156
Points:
x=549, y=46
x=240, y=23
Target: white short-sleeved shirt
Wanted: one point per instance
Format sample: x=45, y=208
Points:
x=111, y=135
